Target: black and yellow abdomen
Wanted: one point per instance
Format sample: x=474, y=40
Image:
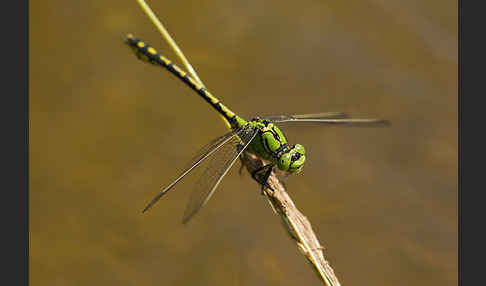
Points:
x=150, y=55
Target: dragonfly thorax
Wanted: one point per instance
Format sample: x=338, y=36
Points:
x=271, y=144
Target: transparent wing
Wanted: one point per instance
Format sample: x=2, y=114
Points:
x=203, y=154
x=328, y=118
x=208, y=147
x=323, y=115
x=217, y=167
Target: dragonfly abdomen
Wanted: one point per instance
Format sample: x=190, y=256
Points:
x=148, y=54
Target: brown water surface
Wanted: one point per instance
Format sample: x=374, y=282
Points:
x=107, y=131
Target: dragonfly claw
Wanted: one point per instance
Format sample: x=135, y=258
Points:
x=261, y=175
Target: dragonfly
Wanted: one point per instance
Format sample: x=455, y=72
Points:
x=259, y=136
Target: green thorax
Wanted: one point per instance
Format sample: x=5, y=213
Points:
x=270, y=142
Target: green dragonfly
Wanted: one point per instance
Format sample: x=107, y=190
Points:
x=259, y=136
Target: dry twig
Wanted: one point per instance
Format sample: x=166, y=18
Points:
x=296, y=223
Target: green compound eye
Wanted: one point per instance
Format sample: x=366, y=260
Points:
x=299, y=149
x=297, y=159
x=297, y=166
x=284, y=162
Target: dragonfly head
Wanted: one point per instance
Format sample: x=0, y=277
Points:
x=293, y=159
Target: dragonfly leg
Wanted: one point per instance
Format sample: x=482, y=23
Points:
x=261, y=175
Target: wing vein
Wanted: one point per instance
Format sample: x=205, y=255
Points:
x=214, y=174
x=198, y=160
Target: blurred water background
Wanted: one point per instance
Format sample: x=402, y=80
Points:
x=107, y=131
